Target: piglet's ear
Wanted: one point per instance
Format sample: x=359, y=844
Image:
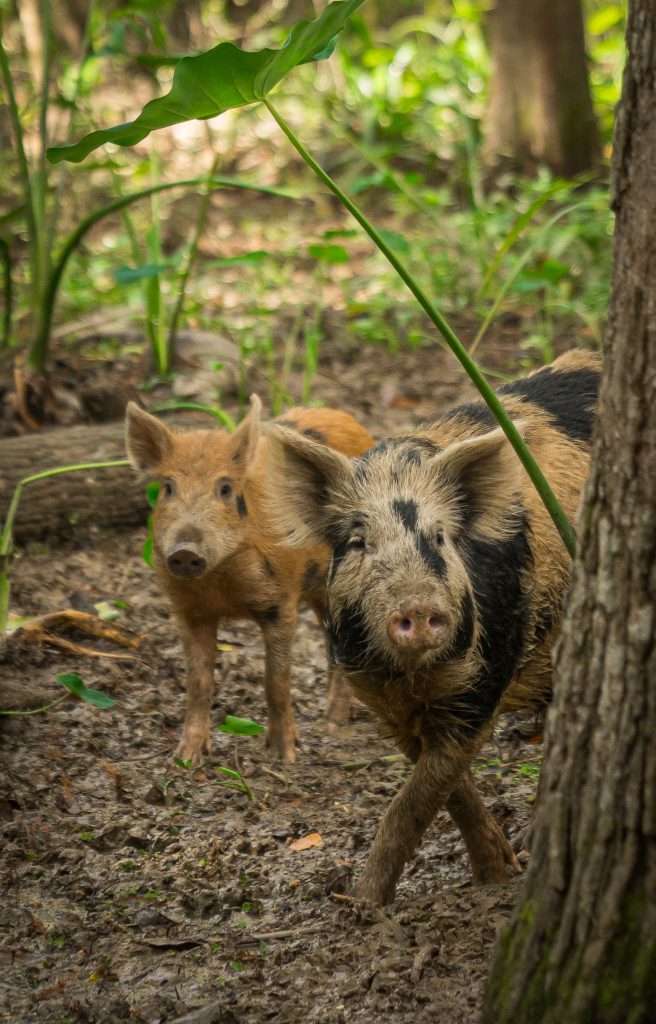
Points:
x=246, y=436
x=147, y=440
x=305, y=478
x=486, y=473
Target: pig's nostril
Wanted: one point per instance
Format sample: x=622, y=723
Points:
x=405, y=626
x=435, y=623
x=186, y=562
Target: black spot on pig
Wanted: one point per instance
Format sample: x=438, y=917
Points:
x=339, y=542
x=414, y=451
x=347, y=638
x=408, y=450
x=568, y=397
x=315, y=435
x=266, y=616
x=406, y=511
x=462, y=641
x=496, y=570
x=310, y=576
x=241, y=506
x=476, y=412
x=430, y=554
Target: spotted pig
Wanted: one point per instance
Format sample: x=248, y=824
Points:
x=218, y=557
x=445, y=589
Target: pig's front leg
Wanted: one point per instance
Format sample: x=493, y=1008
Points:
x=199, y=640
x=407, y=818
x=278, y=627
x=489, y=851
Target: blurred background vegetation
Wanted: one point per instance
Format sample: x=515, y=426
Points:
x=502, y=231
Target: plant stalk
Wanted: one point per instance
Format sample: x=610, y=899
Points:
x=29, y=192
x=8, y=292
x=201, y=220
x=536, y=475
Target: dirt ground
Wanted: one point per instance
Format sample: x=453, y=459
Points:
x=134, y=890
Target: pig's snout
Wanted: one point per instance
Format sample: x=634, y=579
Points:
x=184, y=560
x=417, y=626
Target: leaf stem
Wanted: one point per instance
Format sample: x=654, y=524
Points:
x=37, y=711
x=536, y=475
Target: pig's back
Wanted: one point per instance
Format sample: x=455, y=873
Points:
x=331, y=427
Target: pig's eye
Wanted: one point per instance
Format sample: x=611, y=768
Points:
x=356, y=544
x=167, y=489
x=224, y=489
x=439, y=538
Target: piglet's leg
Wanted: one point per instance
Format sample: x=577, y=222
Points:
x=489, y=851
x=199, y=640
x=339, y=700
x=406, y=820
x=279, y=630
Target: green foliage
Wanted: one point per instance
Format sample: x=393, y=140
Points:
x=74, y=684
x=75, y=687
x=221, y=79
x=205, y=85
x=241, y=726
x=235, y=780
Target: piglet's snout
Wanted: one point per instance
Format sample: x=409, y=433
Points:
x=185, y=560
x=417, y=626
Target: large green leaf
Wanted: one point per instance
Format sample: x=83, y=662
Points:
x=220, y=79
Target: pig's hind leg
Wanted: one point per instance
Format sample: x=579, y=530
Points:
x=489, y=851
x=199, y=640
x=339, y=702
x=278, y=631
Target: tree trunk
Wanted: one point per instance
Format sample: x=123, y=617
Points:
x=581, y=948
x=540, y=109
x=74, y=501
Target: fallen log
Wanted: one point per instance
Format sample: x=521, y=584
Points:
x=75, y=502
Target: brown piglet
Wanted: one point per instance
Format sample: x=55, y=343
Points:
x=218, y=556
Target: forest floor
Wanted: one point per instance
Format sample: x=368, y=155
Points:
x=134, y=890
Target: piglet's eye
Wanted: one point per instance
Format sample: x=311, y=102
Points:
x=224, y=488
x=439, y=538
x=356, y=544
x=167, y=489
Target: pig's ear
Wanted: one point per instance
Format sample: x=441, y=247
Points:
x=486, y=474
x=247, y=435
x=147, y=440
x=306, y=478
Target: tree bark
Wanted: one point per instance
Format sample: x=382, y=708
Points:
x=540, y=109
x=581, y=948
x=73, y=502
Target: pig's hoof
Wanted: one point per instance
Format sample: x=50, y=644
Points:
x=283, y=743
x=283, y=749
x=373, y=895
x=496, y=870
x=193, y=748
